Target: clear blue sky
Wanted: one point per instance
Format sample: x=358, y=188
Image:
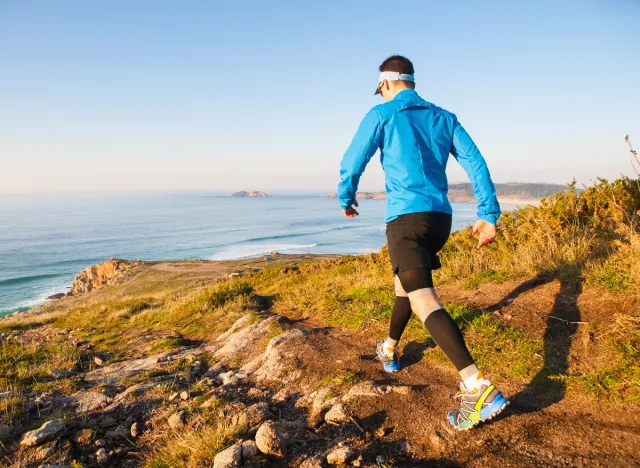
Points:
x=266, y=95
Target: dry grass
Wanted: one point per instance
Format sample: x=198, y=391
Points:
x=194, y=446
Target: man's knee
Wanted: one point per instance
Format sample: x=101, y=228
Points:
x=424, y=302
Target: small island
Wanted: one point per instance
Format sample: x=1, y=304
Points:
x=249, y=194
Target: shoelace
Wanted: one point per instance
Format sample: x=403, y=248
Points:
x=464, y=410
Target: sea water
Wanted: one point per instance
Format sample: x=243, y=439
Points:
x=46, y=240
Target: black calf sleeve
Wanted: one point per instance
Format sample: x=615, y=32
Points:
x=447, y=335
x=399, y=317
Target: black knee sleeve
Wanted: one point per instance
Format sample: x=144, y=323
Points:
x=447, y=335
x=399, y=317
x=412, y=280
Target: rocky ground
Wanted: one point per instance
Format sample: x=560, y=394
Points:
x=288, y=390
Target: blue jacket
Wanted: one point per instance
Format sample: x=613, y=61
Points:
x=415, y=138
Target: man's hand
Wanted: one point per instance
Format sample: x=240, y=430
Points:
x=486, y=231
x=351, y=212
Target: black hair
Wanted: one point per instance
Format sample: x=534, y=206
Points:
x=397, y=63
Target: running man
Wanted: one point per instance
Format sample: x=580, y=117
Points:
x=415, y=138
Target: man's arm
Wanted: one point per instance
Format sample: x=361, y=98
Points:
x=467, y=154
x=364, y=145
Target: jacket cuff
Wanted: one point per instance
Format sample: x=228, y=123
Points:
x=490, y=218
x=346, y=202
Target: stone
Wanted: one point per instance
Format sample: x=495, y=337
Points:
x=173, y=396
x=98, y=361
x=102, y=456
x=249, y=450
x=231, y=378
x=136, y=429
x=49, y=430
x=230, y=457
x=184, y=396
x=120, y=431
x=177, y=420
x=337, y=414
x=322, y=401
x=101, y=442
x=340, y=456
x=88, y=402
x=254, y=415
x=270, y=440
x=313, y=462
x=5, y=432
x=82, y=436
x=44, y=452
x=107, y=421
x=62, y=373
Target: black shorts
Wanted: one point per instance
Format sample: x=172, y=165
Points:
x=414, y=240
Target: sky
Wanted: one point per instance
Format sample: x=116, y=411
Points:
x=118, y=95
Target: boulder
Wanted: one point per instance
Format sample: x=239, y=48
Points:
x=337, y=414
x=102, y=456
x=177, y=420
x=270, y=440
x=230, y=457
x=49, y=430
x=249, y=450
x=136, y=429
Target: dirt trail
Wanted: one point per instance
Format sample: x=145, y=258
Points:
x=292, y=368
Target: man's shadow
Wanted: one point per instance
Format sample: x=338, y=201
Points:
x=561, y=325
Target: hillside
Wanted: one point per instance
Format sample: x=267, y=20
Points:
x=512, y=192
x=183, y=363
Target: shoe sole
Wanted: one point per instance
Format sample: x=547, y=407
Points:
x=493, y=415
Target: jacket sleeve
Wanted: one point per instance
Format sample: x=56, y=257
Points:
x=467, y=154
x=362, y=148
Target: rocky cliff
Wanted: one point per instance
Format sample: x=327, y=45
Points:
x=97, y=276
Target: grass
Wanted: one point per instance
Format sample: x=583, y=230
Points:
x=195, y=446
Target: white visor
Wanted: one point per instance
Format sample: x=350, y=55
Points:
x=393, y=76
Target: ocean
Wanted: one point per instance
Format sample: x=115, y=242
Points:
x=46, y=240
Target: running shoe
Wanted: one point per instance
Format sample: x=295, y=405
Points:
x=390, y=363
x=477, y=406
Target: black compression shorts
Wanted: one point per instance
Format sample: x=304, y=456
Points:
x=414, y=240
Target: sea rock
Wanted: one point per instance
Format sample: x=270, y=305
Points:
x=341, y=455
x=97, y=276
x=337, y=414
x=177, y=420
x=5, y=432
x=249, y=194
x=229, y=458
x=270, y=440
x=48, y=431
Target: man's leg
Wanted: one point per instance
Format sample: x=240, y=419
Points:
x=481, y=400
x=387, y=349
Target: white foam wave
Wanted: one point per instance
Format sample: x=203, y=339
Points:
x=253, y=250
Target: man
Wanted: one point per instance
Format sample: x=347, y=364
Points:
x=415, y=138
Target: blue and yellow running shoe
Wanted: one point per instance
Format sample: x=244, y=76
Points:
x=390, y=362
x=477, y=406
